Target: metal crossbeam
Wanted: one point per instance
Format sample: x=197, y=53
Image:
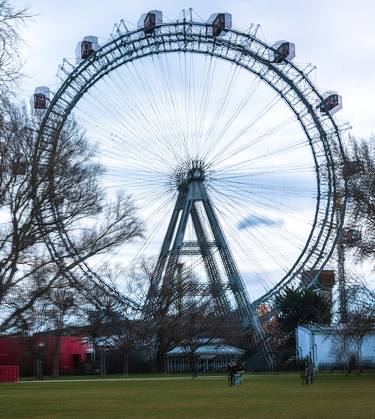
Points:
x=191, y=191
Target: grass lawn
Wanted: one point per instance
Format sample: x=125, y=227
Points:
x=268, y=397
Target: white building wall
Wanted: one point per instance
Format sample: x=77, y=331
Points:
x=303, y=342
x=324, y=348
x=368, y=349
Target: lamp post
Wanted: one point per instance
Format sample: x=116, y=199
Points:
x=39, y=364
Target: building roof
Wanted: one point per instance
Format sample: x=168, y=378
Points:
x=315, y=328
x=325, y=330
x=208, y=349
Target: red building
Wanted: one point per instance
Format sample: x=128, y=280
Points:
x=27, y=351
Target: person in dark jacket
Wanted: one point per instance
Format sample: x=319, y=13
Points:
x=309, y=372
x=231, y=372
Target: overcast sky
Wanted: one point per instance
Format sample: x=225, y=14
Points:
x=336, y=36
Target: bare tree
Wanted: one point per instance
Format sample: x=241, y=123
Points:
x=112, y=325
x=202, y=326
x=10, y=60
x=97, y=332
x=29, y=328
x=59, y=310
x=361, y=189
x=359, y=323
x=128, y=335
x=27, y=269
x=182, y=313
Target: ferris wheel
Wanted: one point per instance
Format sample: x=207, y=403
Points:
x=230, y=153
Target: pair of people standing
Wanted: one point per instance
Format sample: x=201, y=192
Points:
x=235, y=374
x=309, y=372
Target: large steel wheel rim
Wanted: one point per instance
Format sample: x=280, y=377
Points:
x=247, y=52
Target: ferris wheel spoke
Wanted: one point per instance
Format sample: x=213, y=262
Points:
x=266, y=170
x=252, y=142
x=256, y=200
x=199, y=94
x=232, y=117
x=196, y=90
x=245, y=255
x=235, y=138
x=263, y=221
x=168, y=91
x=188, y=109
x=133, y=112
x=154, y=219
x=156, y=216
x=261, y=201
x=206, y=88
x=258, y=158
x=259, y=171
x=148, y=108
x=221, y=104
x=276, y=233
x=249, y=257
x=277, y=190
x=133, y=141
x=112, y=146
x=227, y=121
x=268, y=248
x=169, y=114
x=116, y=115
x=291, y=146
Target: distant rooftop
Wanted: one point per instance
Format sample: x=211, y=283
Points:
x=327, y=330
x=208, y=349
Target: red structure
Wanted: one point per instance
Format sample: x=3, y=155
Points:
x=9, y=374
x=29, y=351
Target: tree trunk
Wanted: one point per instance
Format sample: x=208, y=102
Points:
x=39, y=369
x=126, y=364
x=103, y=367
x=193, y=365
x=160, y=359
x=360, y=356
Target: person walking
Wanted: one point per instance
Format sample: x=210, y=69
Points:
x=311, y=372
x=231, y=372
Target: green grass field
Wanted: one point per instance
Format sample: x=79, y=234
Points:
x=268, y=397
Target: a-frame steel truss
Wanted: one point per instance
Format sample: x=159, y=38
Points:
x=191, y=192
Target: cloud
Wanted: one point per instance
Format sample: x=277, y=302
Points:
x=256, y=221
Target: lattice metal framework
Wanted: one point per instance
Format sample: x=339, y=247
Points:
x=248, y=52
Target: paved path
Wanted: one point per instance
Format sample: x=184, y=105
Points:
x=88, y=380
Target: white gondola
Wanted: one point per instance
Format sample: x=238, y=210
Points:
x=284, y=50
x=41, y=97
x=219, y=23
x=86, y=47
x=149, y=20
x=331, y=103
